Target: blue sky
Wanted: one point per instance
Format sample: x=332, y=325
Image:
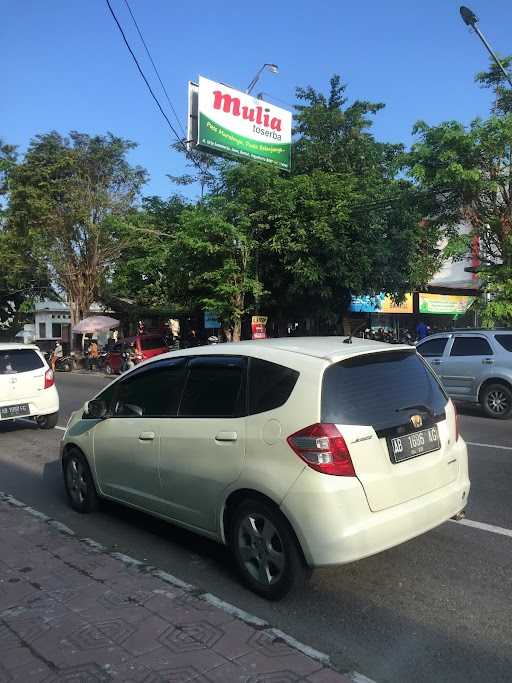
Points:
x=65, y=66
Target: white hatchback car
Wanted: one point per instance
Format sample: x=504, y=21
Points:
x=297, y=453
x=27, y=386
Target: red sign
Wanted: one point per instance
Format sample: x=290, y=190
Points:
x=258, y=326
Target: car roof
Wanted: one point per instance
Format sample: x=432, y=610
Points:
x=331, y=349
x=484, y=331
x=7, y=346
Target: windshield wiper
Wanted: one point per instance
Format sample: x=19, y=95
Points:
x=417, y=406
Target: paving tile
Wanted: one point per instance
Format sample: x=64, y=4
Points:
x=235, y=641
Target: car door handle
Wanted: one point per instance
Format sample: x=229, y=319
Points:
x=226, y=436
x=436, y=361
x=146, y=436
x=487, y=361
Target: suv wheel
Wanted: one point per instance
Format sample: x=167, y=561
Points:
x=496, y=400
x=79, y=482
x=265, y=550
x=47, y=421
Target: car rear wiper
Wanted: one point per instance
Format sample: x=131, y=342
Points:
x=417, y=406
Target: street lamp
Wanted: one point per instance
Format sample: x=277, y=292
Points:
x=470, y=19
x=271, y=67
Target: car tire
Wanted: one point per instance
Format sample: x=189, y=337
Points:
x=496, y=401
x=78, y=482
x=266, y=551
x=47, y=421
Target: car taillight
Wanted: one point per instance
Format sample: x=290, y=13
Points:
x=49, y=380
x=322, y=447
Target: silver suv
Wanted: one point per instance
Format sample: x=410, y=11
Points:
x=475, y=366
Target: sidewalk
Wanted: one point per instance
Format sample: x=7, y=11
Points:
x=71, y=611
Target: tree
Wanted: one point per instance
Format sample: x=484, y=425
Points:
x=62, y=196
x=467, y=175
x=496, y=81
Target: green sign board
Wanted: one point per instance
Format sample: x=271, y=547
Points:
x=237, y=124
x=445, y=304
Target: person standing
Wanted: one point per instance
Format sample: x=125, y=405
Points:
x=56, y=355
x=93, y=354
x=421, y=330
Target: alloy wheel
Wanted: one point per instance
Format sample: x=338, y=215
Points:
x=498, y=402
x=261, y=549
x=76, y=481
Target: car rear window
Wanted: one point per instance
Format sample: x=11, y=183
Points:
x=380, y=390
x=151, y=343
x=19, y=360
x=504, y=340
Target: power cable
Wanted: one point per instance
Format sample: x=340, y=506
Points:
x=155, y=69
x=141, y=72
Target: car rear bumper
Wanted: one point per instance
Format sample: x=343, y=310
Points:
x=335, y=525
x=45, y=403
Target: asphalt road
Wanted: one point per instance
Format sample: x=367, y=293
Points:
x=434, y=609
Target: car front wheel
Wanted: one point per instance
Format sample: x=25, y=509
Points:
x=496, y=401
x=79, y=482
x=47, y=421
x=266, y=551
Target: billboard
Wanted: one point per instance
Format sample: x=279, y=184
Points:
x=445, y=304
x=236, y=124
x=380, y=303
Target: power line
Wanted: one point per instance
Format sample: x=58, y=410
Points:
x=141, y=72
x=155, y=68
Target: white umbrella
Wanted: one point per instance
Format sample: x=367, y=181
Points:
x=95, y=323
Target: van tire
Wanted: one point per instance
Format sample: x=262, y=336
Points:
x=265, y=550
x=47, y=421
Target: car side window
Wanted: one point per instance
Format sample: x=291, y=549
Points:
x=471, y=346
x=270, y=385
x=433, y=347
x=215, y=387
x=505, y=341
x=153, y=391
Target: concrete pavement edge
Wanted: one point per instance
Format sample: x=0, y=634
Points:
x=213, y=600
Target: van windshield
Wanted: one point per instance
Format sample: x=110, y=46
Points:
x=381, y=390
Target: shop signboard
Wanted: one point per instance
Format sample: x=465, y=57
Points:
x=445, y=304
x=259, y=326
x=380, y=303
x=210, y=321
x=233, y=123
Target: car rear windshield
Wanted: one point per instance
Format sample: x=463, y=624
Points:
x=150, y=343
x=19, y=360
x=504, y=340
x=381, y=390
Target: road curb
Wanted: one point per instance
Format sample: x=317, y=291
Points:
x=214, y=601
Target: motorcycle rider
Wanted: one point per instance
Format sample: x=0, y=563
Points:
x=57, y=354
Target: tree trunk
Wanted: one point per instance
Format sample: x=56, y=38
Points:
x=237, y=329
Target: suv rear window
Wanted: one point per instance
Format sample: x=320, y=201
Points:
x=19, y=360
x=379, y=389
x=504, y=340
x=150, y=343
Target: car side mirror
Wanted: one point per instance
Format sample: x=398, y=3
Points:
x=96, y=409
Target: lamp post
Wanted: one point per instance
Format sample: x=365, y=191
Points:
x=470, y=19
x=271, y=67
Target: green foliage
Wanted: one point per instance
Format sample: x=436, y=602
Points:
x=465, y=174
x=62, y=196
x=496, y=81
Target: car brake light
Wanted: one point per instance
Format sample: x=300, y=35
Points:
x=322, y=448
x=49, y=380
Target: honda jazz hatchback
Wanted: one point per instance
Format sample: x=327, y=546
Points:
x=296, y=453
x=27, y=386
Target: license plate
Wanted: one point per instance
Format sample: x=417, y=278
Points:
x=14, y=411
x=411, y=445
